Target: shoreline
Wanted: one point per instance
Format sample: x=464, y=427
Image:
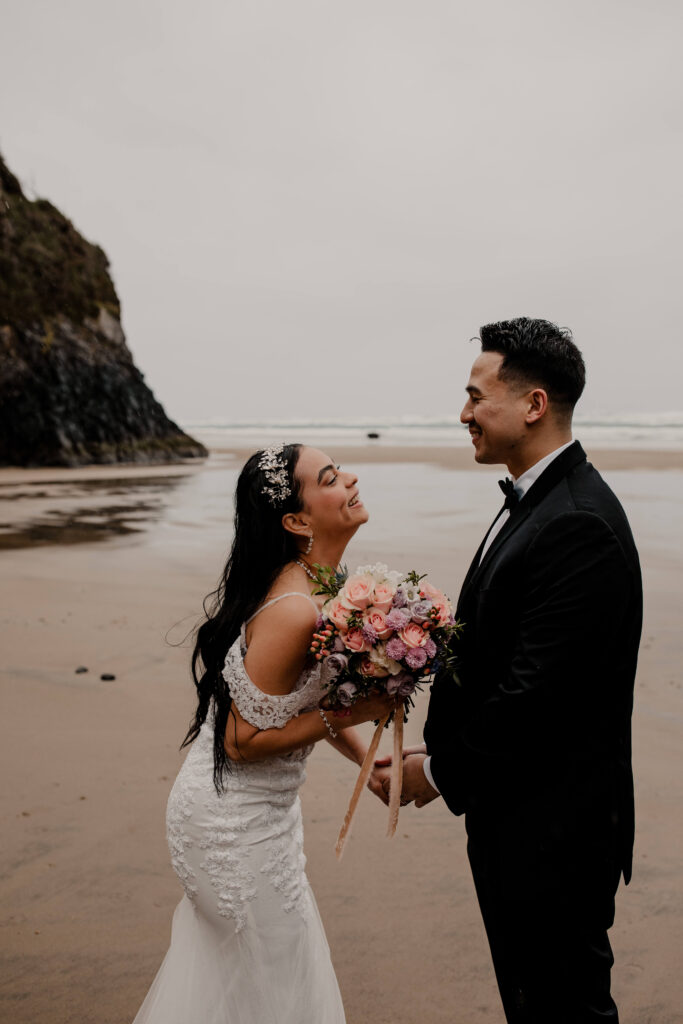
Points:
x=456, y=458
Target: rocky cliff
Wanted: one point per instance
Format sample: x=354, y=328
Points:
x=70, y=393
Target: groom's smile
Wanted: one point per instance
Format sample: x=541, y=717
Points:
x=495, y=413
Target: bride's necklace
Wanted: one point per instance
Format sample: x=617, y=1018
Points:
x=307, y=569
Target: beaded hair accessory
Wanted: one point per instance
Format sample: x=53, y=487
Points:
x=273, y=466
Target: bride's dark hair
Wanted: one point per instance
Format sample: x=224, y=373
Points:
x=260, y=549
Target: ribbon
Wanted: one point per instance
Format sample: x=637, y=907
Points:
x=396, y=773
x=364, y=775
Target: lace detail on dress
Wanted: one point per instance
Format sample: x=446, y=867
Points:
x=179, y=837
x=224, y=863
x=285, y=868
x=267, y=710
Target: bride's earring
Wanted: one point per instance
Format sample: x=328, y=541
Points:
x=310, y=545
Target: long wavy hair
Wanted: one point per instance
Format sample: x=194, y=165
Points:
x=260, y=549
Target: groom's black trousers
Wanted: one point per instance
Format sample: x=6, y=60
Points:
x=547, y=929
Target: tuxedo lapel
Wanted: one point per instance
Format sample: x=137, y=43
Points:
x=550, y=477
x=477, y=557
x=517, y=517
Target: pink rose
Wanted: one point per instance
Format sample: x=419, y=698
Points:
x=356, y=593
x=431, y=592
x=355, y=642
x=384, y=596
x=377, y=619
x=371, y=668
x=337, y=613
x=413, y=635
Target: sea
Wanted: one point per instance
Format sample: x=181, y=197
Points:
x=654, y=431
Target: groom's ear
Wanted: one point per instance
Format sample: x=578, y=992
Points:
x=292, y=522
x=537, y=405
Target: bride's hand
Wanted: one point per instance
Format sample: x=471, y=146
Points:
x=367, y=709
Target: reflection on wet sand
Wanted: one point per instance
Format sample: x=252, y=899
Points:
x=74, y=512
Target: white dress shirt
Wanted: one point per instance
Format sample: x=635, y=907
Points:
x=522, y=485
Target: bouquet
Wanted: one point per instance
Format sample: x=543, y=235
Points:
x=380, y=630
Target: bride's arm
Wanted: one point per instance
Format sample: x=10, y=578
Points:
x=349, y=742
x=277, y=653
x=244, y=742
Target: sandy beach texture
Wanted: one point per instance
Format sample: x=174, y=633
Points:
x=105, y=569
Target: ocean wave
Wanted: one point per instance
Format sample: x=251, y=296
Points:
x=618, y=430
x=650, y=420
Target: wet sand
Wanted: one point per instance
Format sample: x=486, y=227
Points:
x=87, y=891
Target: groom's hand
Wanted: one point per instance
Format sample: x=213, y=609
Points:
x=380, y=778
x=415, y=784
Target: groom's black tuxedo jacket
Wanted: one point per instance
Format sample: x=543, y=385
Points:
x=534, y=743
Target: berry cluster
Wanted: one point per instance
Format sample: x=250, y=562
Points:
x=323, y=642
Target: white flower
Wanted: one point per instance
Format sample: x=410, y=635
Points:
x=411, y=593
x=379, y=656
x=381, y=573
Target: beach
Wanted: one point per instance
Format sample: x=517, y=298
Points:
x=105, y=569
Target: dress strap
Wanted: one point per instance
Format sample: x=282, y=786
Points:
x=274, y=600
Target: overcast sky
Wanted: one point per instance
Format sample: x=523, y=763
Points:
x=310, y=206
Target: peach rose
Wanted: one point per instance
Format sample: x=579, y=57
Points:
x=368, y=667
x=377, y=619
x=355, y=642
x=384, y=595
x=413, y=635
x=356, y=593
x=431, y=592
x=337, y=613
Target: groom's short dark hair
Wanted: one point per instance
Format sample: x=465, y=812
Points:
x=539, y=354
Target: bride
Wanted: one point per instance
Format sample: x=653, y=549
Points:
x=247, y=944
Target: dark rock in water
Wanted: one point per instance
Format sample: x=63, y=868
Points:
x=70, y=393
x=80, y=670
x=372, y=434
x=107, y=677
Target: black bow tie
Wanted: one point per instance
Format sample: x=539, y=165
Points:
x=508, y=489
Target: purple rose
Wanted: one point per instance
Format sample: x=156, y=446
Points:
x=338, y=646
x=421, y=610
x=336, y=663
x=396, y=649
x=346, y=694
x=394, y=683
x=416, y=657
x=397, y=619
x=407, y=688
x=401, y=685
x=430, y=647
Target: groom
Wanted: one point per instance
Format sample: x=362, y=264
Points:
x=533, y=742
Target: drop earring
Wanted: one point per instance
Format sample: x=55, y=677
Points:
x=310, y=545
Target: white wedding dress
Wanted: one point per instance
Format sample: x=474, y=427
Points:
x=247, y=945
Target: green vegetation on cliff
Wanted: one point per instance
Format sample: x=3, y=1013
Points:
x=46, y=268
x=70, y=393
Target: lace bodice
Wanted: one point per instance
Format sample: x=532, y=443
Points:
x=267, y=710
